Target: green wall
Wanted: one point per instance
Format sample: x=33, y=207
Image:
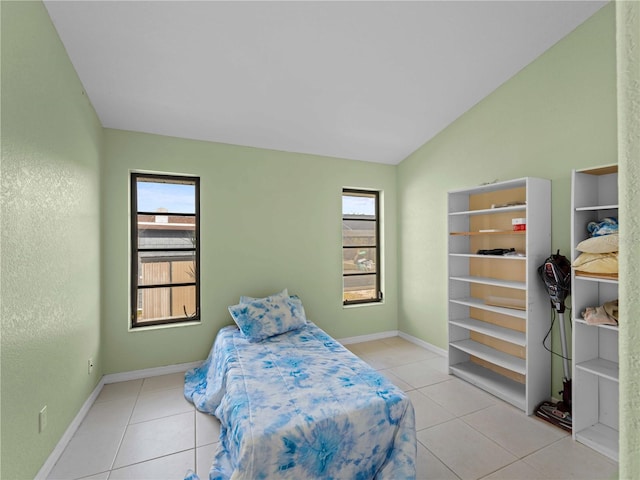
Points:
x=557, y=114
x=51, y=147
x=628, y=54
x=269, y=220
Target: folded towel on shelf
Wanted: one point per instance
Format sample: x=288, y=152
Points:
x=606, y=314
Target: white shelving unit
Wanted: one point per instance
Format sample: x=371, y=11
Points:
x=499, y=312
x=595, y=348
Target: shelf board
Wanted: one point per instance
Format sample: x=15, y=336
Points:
x=491, y=281
x=477, y=303
x=489, y=211
x=491, y=355
x=475, y=255
x=594, y=277
x=604, y=170
x=595, y=208
x=492, y=187
x=601, y=368
x=502, y=387
x=501, y=232
x=601, y=438
x=502, y=333
x=606, y=327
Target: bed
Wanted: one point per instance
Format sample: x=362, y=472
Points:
x=299, y=405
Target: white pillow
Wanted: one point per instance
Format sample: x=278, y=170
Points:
x=603, y=244
x=267, y=317
x=597, y=262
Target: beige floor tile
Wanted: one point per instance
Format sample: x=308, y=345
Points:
x=163, y=382
x=156, y=438
x=98, y=476
x=375, y=346
x=513, y=430
x=420, y=374
x=428, y=467
x=413, y=353
x=88, y=453
x=160, y=403
x=469, y=454
x=352, y=347
x=518, y=470
x=119, y=391
x=459, y=397
x=207, y=429
x=396, y=341
x=439, y=364
x=204, y=459
x=170, y=467
x=428, y=412
x=397, y=381
x=379, y=362
x=569, y=459
x=113, y=413
x=396, y=355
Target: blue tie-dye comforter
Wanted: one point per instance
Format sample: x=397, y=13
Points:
x=301, y=406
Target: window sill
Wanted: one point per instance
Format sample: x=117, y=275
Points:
x=164, y=326
x=360, y=305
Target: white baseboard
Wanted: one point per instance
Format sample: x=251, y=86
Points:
x=394, y=333
x=106, y=379
x=69, y=433
x=368, y=338
x=421, y=343
x=150, y=372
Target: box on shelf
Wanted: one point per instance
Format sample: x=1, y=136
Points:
x=519, y=224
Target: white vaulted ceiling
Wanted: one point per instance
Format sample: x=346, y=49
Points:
x=360, y=80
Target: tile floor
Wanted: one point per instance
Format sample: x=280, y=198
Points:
x=144, y=429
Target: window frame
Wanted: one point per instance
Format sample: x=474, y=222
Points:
x=378, y=246
x=135, y=287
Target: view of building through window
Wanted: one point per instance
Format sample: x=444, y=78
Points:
x=165, y=249
x=360, y=246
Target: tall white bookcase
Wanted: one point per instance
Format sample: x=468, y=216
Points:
x=499, y=311
x=595, y=348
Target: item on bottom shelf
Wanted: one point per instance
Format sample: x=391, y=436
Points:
x=606, y=314
x=496, y=251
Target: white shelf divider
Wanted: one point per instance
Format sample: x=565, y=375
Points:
x=501, y=333
x=502, y=387
x=492, y=355
x=601, y=438
x=495, y=257
x=489, y=211
x=491, y=281
x=600, y=367
x=476, y=303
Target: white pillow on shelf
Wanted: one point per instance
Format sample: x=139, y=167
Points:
x=603, y=244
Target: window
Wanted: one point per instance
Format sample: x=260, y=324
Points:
x=360, y=247
x=165, y=249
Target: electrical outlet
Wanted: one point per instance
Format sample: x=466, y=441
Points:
x=90, y=366
x=42, y=419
